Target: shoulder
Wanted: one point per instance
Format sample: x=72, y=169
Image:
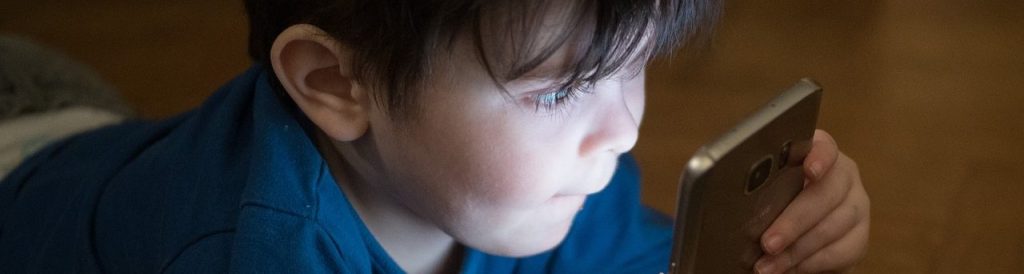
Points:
x=48, y=204
x=129, y=196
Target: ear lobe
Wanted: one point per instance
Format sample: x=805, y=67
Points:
x=314, y=70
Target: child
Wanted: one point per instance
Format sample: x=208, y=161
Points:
x=391, y=136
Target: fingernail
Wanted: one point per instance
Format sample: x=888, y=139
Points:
x=763, y=266
x=816, y=171
x=773, y=244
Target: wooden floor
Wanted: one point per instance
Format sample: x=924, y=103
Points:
x=927, y=96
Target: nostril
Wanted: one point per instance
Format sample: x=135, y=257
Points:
x=614, y=123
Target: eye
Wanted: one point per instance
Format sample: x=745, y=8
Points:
x=554, y=98
x=558, y=98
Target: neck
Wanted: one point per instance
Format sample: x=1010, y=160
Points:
x=417, y=245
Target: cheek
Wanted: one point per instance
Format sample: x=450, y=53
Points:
x=516, y=180
x=473, y=166
x=506, y=168
x=487, y=174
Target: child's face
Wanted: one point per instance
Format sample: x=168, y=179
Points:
x=496, y=172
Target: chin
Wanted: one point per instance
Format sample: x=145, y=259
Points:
x=546, y=229
x=529, y=244
x=519, y=249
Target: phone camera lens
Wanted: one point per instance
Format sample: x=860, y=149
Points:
x=759, y=173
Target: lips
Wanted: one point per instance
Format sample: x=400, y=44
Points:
x=596, y=183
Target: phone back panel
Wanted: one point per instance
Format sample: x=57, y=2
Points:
x=720, y=219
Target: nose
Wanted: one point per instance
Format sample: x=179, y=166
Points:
x=616, y=123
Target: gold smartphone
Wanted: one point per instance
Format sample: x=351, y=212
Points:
x=734, y=187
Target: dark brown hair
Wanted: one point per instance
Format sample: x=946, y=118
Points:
x=395, y=41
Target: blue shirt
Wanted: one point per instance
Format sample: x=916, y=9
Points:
x=238, y=186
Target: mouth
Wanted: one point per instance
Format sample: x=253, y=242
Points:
x=598, y=180
x=598, y=184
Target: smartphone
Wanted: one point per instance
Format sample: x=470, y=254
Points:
x=734, y=187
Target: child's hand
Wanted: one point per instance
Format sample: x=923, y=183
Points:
x=826, y=227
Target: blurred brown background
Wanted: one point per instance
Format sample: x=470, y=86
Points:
x=927, y=96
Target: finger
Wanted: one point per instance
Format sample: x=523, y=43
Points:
x=837, y=256
x=809, y=207
x=833, y=227
x=823, y=155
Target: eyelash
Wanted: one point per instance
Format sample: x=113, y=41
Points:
x=557, y=99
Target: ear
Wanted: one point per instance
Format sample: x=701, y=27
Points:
x=315, y=71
